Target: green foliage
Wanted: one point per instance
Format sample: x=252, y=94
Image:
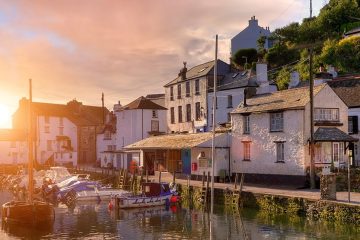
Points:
x=250, y=53
x=283, y=78
x=280, y=54
x=345, y=54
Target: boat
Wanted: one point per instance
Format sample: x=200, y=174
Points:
x=86, y=190
x=153, y=194
x=30, y=213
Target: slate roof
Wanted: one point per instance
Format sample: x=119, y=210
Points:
x=237, y=80
x=142, y=103
x=332, y=135
x=12, y=135
x=195, y=72
x=295, y=98
x=348, y=89
x=172, y=141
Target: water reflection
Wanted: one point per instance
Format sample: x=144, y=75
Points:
x=95, y=221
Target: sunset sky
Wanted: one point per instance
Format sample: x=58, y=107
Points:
x=78, y=49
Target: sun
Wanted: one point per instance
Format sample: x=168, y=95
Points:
x=5, y=116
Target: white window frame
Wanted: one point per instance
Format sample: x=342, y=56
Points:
x=247, y=151
x=154, y=126
x=326, y=114
x=276, y=122
x=246, y=125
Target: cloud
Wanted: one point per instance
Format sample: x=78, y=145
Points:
x=123, y=48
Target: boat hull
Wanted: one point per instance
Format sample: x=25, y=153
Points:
x=139, y=201
x=32, y=214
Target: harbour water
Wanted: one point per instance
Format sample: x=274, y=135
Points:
x=94, y=221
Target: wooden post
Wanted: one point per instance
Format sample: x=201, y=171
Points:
x=174, y=176
x=159, y=176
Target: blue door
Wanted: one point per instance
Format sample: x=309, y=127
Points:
x=186, y=161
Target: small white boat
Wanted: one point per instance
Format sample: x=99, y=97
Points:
x=154, y=194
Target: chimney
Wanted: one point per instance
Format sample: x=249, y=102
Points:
x=331, y=69
x=183, y=72
x=261, y=73
x=75, y=106
x=117, y=107
x=253, y=21
x=294, y=79
x=245, y=93
x=322, y=77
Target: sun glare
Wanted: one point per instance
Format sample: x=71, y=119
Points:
x=5, y=116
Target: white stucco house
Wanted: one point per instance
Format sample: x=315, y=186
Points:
x=13, y=147
x=106, y=142
x=65, y=134
x=135, y=121
x=248, y=37
x=186, y=97
x=270, y=134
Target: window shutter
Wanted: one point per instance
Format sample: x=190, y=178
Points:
x=355, y=124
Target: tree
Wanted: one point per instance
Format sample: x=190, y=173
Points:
x=283, y=78
x=249, y=53
x=345, y=54
x=280, y=54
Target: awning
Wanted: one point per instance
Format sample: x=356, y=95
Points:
x=332, y=135
x=179, y=141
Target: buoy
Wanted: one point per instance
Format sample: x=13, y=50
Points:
x=174, y=199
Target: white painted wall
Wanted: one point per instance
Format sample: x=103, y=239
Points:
x=221, y=115
x=263, y=147
x=104, y=144
x=69, y=129
x=221, y=160
x=13, y=152
x=134, y=125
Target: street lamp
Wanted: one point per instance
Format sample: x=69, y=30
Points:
x=245, y=60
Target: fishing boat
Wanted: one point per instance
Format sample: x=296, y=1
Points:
x=153, y=194
x=28, y=213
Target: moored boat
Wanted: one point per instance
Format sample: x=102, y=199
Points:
x=153, y=194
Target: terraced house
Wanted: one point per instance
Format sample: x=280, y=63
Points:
x=64, y=133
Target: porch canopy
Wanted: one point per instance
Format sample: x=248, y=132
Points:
x=180, y=141
x=332, y=135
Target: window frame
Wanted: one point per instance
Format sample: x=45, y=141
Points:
x=155, y=113
x=180, y=118
x=246, y=150
x=197, y=111
x=326, y=114
x=230, y=101
x=172, y=115
x=171, y=93
x=280, y=151
x=179, y=91
x=246, y=124
x=273, y=125
x=155, y=123
x=197, y=87
x=188, y=112
x=187, y=88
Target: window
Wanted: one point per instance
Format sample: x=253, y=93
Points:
x=230, y=101
x=188, y=112
x=228, y=117
x=61, y=121
x=187, y=85
x=246, y=147
x=197, y=111
x=180, y=113
x=197, y=87
x=179, y=91
x=47, y=119
x=49, y=145
x=353, y=124
x=110, y=147
x=154, y=113
x=171, y=93
x=61, y=130
x=154, y=126
x=280, y=152
x=47, y=129
x=276, y=122
x=172, y=115
x=216, y=102
x=107, y=135
x=326, y=114
x=338, y=153
x=246, y=121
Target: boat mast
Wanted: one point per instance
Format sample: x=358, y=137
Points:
x=30, y=144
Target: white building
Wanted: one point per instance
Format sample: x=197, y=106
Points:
x=270, y=135
x=13, y=146
x=135, y=121
x=186, y=97
x=248, y=37
x=64, y=133
x=348, y=89
x=106, y=142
